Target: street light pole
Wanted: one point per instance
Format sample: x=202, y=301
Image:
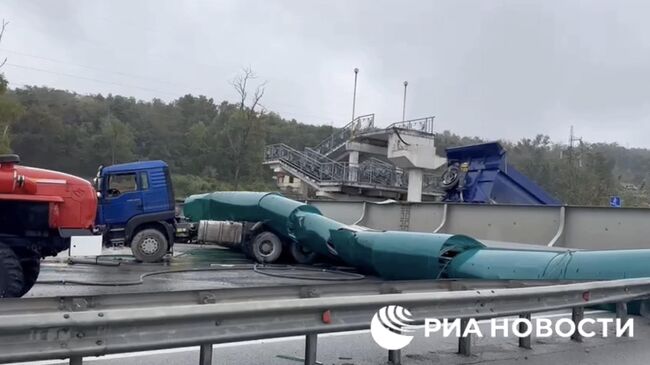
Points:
x=354, y=95
x=406, y=83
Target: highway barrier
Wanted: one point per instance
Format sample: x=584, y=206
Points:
x=81, y=326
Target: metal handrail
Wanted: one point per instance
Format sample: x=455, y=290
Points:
x=431, y=183
x=322, y=169
x=317, y=156
x=379, y=162
x=271, y=151
x=305, y=164
x=424, y=125
x=335, y=140
x=377, y=172
x=53, y=332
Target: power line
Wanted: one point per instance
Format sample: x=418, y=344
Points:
x=99, y=43
x=90, y=79
x=88, y=67
x=138, y=26
x=299, y=114
x=329, y=117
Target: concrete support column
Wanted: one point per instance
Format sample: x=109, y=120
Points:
x=353, y=165
x=415, y=185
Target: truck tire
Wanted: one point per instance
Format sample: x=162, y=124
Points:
x=11, y=274
x=149, y=245
x=450, y=178
x=30, y=262
x=266, y=248
x=301, y=254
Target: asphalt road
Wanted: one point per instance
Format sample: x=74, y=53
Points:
x=55, y=271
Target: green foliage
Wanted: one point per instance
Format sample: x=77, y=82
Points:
x=208, y=146
x=116, y=139
x=9, y=112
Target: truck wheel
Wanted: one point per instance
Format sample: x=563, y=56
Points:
x=30, y=262
x=302, y=254
x=149, y=245
x=450, y=178
x=266, y=248
x=11, y=274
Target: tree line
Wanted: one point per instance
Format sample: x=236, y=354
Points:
x=208, y=145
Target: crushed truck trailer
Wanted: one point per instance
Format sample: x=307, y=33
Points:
x=398, y=255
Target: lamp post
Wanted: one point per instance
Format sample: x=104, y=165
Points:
x=354, y=95
x=406, y=83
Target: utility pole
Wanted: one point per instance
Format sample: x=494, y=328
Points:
x=572, y=139
x=574, y=183
x=406, y=83
x=354, y=95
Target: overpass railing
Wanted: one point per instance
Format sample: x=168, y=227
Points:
x=317, y=169
x=321, y=169
x=424, y=125
x=360, y=124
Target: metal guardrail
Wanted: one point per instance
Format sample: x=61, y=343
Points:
x=321, y=169
x=337, y=139
x=424, y=125
x=374, y=172
x=74, y=327
x=317, y=156
x=303, y=163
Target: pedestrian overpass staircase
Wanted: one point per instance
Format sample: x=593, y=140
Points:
x=316, y=167
x=337, y=140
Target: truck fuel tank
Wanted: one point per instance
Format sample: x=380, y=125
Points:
x=224, y=233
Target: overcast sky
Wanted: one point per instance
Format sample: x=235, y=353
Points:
x=496, y=69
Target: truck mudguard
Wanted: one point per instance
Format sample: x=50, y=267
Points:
x=163, y=218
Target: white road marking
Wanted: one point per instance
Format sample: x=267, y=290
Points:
x=257, y=342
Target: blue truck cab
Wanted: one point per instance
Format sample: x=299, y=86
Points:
x=136, y=208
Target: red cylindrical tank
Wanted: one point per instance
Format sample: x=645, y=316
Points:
x=73, y=200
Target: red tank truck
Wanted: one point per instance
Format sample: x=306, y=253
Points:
x=40, y=210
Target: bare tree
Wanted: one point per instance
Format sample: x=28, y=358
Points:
x=240, y=83
x=238, y=135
